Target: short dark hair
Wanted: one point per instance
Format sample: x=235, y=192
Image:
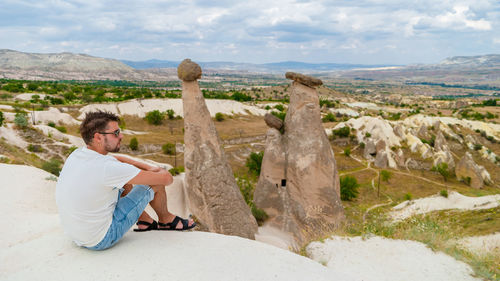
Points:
x=95, y=122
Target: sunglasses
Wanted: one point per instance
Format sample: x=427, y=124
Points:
x=116, y=133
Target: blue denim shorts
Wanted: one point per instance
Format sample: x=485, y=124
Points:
x=127, y=212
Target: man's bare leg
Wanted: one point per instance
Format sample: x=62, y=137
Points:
x=159, y=205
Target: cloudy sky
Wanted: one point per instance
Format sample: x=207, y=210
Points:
x=256, y=31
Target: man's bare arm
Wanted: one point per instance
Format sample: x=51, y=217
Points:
x=162, y=177
x=137, y=164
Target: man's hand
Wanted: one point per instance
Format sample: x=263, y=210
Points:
x=154, y=169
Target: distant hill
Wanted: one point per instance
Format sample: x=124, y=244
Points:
x=251, y=67
x=460, y=70
x=472, y=61
x=484, y=70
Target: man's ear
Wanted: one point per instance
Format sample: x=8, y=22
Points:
x=97, y=137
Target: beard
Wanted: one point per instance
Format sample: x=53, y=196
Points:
x=109, y=148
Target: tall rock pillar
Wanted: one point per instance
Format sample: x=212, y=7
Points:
x=213, y=195
x=306, y=201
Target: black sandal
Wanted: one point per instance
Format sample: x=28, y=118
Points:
x=173, y=225
x=151, y=226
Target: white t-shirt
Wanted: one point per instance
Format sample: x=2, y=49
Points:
x=87, y=192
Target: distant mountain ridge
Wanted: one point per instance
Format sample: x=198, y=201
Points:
x=68, y=66
x=265, y=67
x=492, y=60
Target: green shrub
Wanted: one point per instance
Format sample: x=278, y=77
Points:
x=35, y=148
x=279, y=107
x=168, y=148
x=219, y=117
x=134, y=144
x=61, y=129
x=348, y=188
x=329, y=118
x=259, y=214
x=408, y=196
x=467, y=180
x=254, y=162
x=267, y=107
x=347, y=152
x=342, y=132
x=53, y=166
x=51, y=124
x=21, y=120
x=170, y=114
x=155, y=117
x=444, y=193
x=1, y=118
x=280, y=115
x=368, y=135
x=478, y=146
x=70, y=150
x=385, y=175
x=176, y=170
x=442, y=169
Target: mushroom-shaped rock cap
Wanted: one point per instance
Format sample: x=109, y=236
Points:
x=304, y=79
x=273, y=121
x=188, y=70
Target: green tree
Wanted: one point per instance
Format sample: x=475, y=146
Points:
x=348, y=188
x=342, y=132
x=442, y=169
x=168, y=148
x=347, y=152
x=254, y=162
x=21, y=120
x=155, y=117
x=134, y=143
x=386, y=175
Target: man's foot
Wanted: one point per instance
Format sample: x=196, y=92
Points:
x=146, y=226
x=177, y=223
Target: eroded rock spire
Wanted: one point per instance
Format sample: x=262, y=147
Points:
x=299, y=183
x=214, y=197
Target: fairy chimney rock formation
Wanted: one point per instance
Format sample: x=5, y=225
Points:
x=273, y=121
x=213, y=195
x=188, y=71
x=468, y=171
x=299, y=184
x=304, y=79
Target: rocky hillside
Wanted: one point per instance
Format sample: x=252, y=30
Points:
x=19, y=65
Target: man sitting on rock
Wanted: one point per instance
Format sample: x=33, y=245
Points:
x=94, y=194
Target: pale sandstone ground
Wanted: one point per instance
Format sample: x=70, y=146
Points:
x=437, y=202
x=37, y=249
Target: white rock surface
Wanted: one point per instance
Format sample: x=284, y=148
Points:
x=437, y=202
x=379, y=258
x=345, y=111
x=35, y=247
x=379, y=129
x=54, y=115
x=141, y=107
x=11, y=136
x=56, y=134
x=481, y=245
x=27, y=96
